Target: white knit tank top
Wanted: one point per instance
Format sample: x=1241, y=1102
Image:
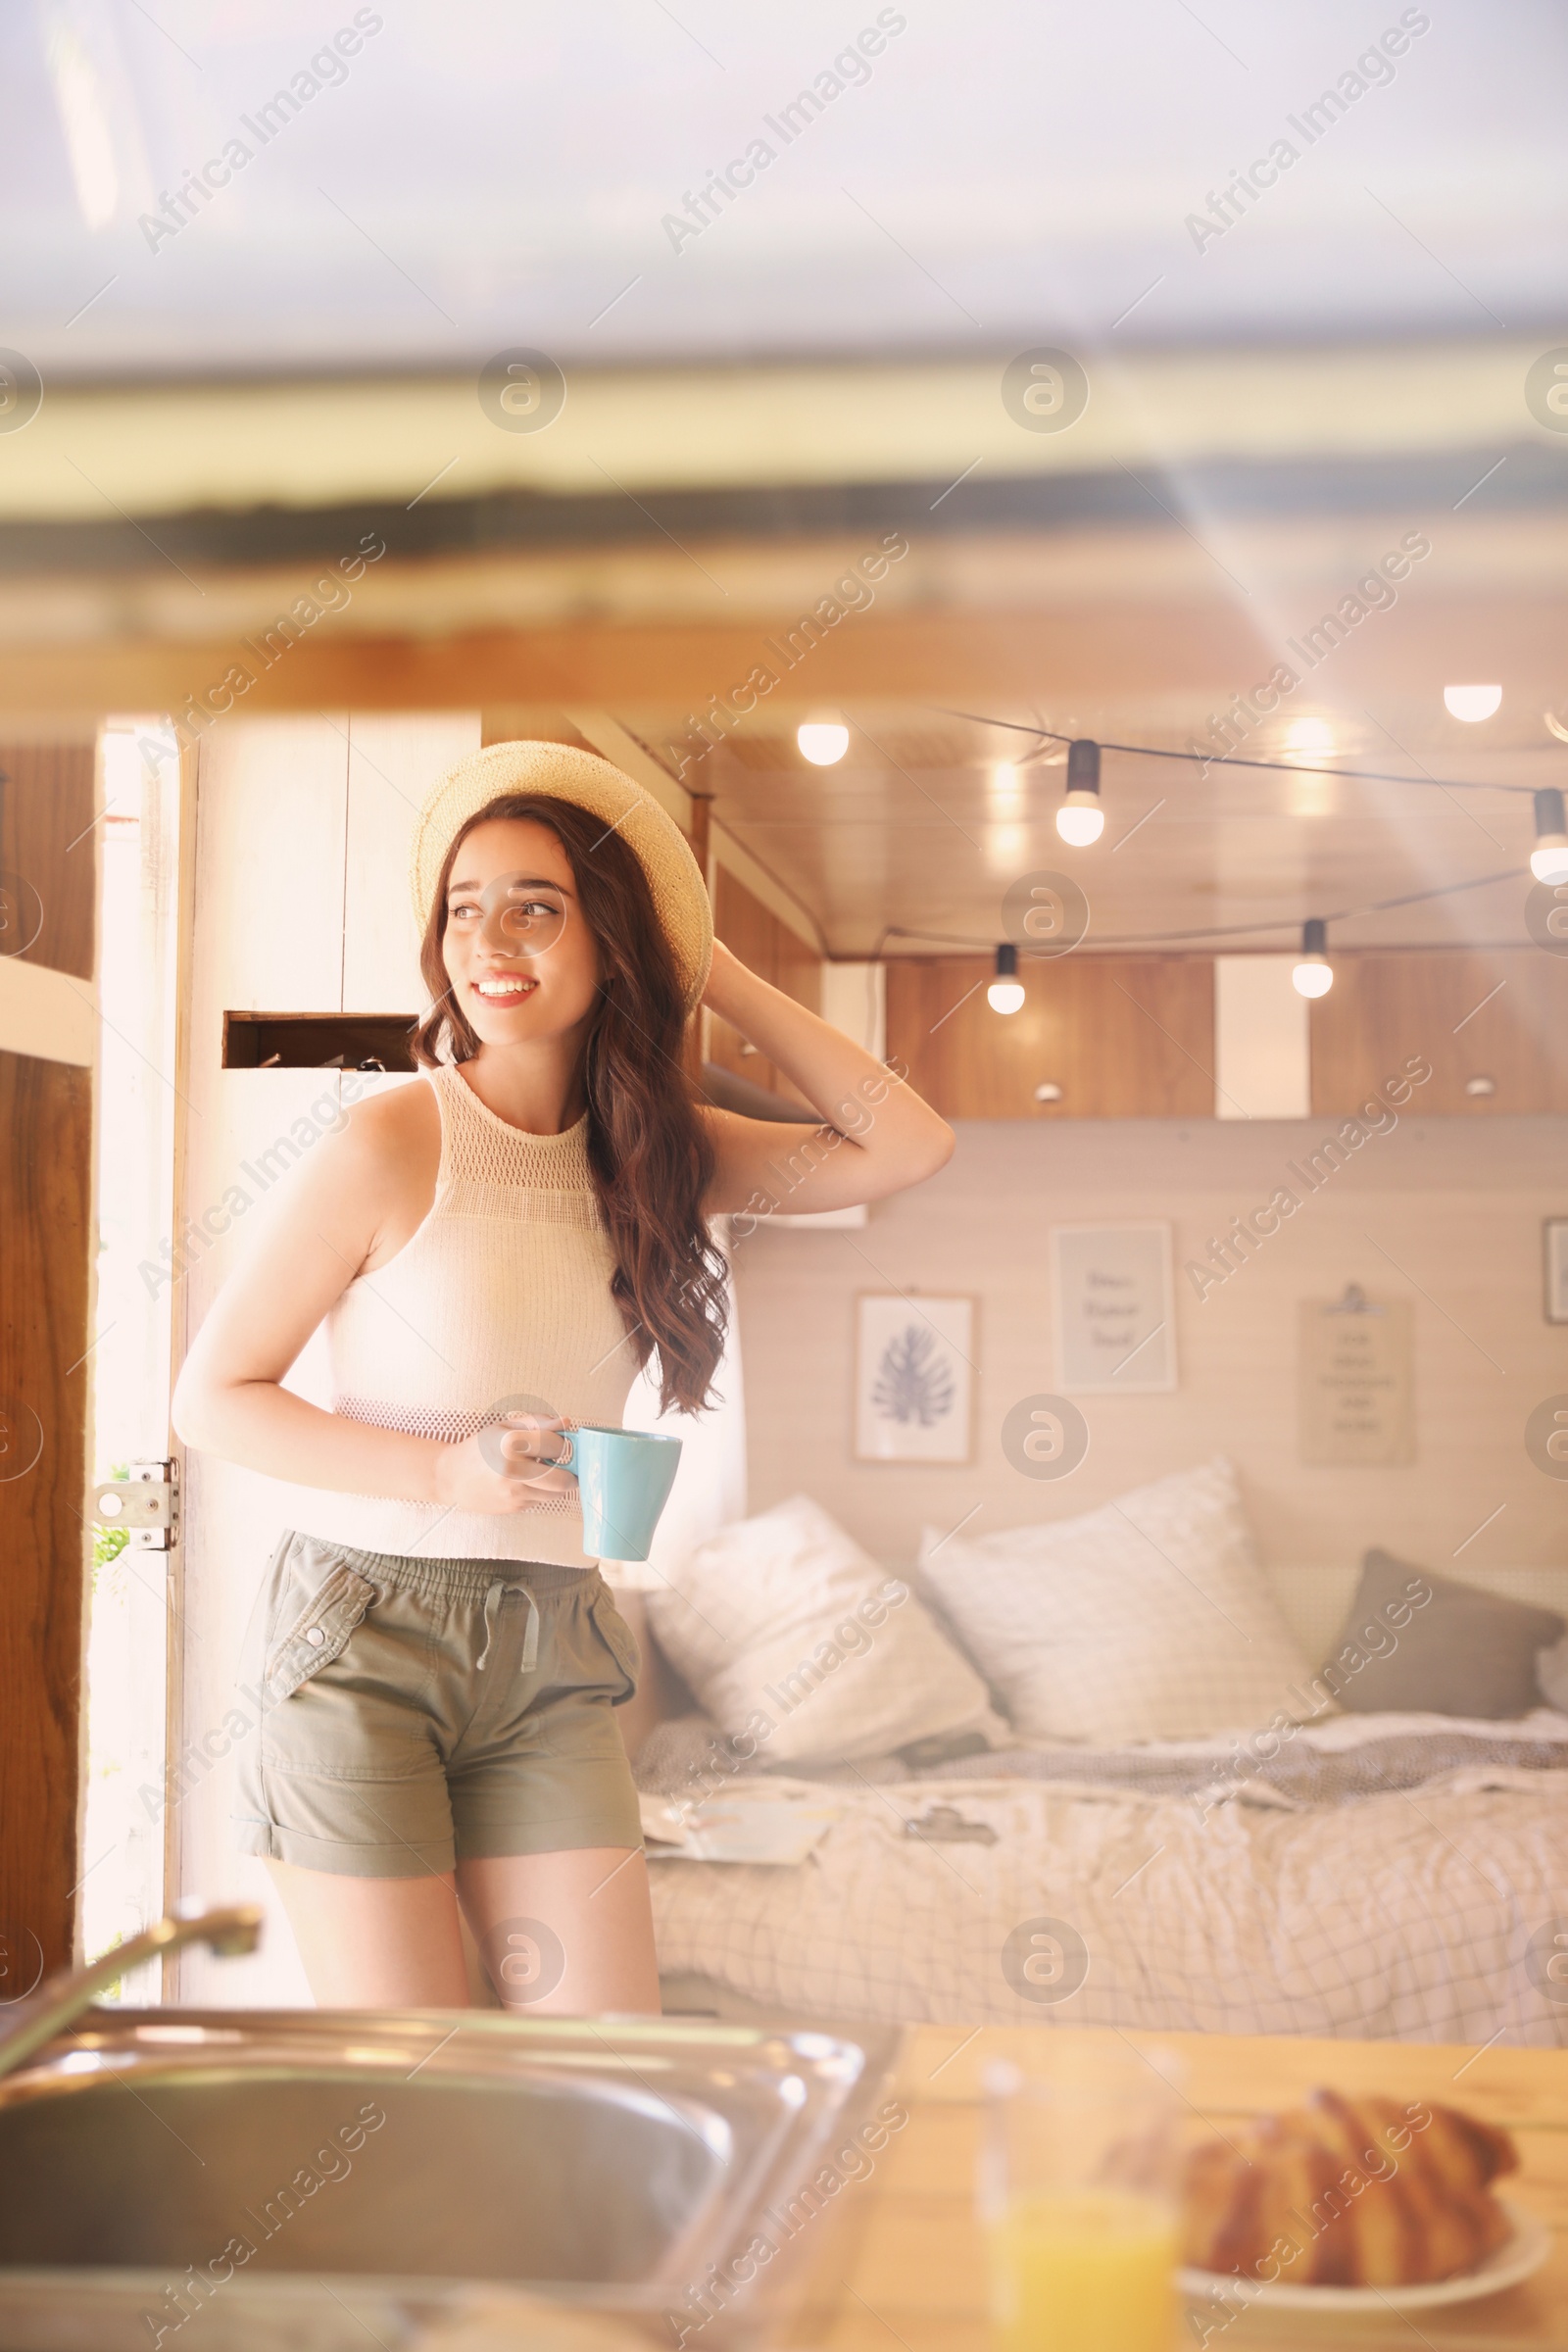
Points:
x=502, y=1294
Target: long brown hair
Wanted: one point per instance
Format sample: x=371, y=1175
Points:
x=650, y=1153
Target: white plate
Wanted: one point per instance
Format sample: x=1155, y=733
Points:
x=1516, y=2258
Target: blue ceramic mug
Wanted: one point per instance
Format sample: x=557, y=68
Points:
x=623, y=1482
x=623, y=1478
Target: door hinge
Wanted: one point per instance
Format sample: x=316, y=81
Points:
x=145, y=1504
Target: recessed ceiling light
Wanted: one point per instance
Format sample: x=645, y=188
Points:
x=823, y=738
x=1006, y=848
x=1007, y=793
x=1312, y=794
x=1471, y=703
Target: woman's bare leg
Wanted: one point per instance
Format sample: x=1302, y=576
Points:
x=566, y=1934
x=376, y=1943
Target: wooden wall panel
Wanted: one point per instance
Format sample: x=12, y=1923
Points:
x=1500, y=1014
x=47, y=839
x=746, y=928
x=45, y=1227
x=799, y=967
x=754, y=933
x=1124, y=1037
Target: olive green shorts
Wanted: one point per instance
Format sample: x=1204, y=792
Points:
x=415, y=1712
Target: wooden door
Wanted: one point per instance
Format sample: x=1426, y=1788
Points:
x=1123, y=1037
x=48, y=898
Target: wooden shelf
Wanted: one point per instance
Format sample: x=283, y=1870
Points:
x=318, y=1041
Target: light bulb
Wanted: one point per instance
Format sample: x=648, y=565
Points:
x=1081, y=819
x=1005, y=991
x=1471, y=703
x=1548, y=859
x=823, y=739
x=1313, y=976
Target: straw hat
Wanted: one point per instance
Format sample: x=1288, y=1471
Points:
x=559, y=772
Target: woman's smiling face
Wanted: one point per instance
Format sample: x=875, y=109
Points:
x=522, y=962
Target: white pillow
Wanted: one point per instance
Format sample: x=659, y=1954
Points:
x=1148, y=1619
x=794, y=1639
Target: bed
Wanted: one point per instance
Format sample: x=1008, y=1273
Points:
x=1083, y=1772
x=1419, y=1911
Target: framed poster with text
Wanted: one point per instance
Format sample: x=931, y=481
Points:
x=1354, y=1390
x=1115, y=1317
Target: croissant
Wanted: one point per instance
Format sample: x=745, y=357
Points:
x=1344, y=2192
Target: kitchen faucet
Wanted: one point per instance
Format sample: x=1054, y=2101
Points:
x=228, y=1930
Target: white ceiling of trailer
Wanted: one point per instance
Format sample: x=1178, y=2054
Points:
x=479, y=176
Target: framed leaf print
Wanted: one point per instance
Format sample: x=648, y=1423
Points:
x=914, y=1378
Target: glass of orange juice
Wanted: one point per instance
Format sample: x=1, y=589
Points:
x=1078, y=2198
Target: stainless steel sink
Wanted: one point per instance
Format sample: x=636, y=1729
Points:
x=297, y=2178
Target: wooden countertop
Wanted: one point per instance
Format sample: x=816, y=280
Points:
x=909, y=2269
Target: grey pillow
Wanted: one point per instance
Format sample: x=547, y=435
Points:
x=1419, y=1644
x=1552, y=1671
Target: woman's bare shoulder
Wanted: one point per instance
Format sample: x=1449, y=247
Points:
x=391, y=1151
x=394, y=1116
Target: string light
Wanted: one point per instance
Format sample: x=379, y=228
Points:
x=1313, y=976
x=1207, y=760
x=1548, y=859
x=1006, y=993
x=1081, y=819
x=1209, y=931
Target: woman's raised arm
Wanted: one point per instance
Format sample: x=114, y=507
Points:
x=876, y=1135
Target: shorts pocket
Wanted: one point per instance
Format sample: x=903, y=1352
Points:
x=319, y=1633
x=620, y=1640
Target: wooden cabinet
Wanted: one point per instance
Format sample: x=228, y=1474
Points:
x=1133, y=1037
x=1123, y=1037
x=754, y=933
x=1491, y=1020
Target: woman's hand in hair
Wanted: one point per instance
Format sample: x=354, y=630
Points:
x=467, y=1479
x=874, y=1135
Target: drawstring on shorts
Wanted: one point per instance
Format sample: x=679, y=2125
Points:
x=495, y=1595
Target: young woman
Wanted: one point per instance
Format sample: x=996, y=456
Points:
x=496, y=1249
